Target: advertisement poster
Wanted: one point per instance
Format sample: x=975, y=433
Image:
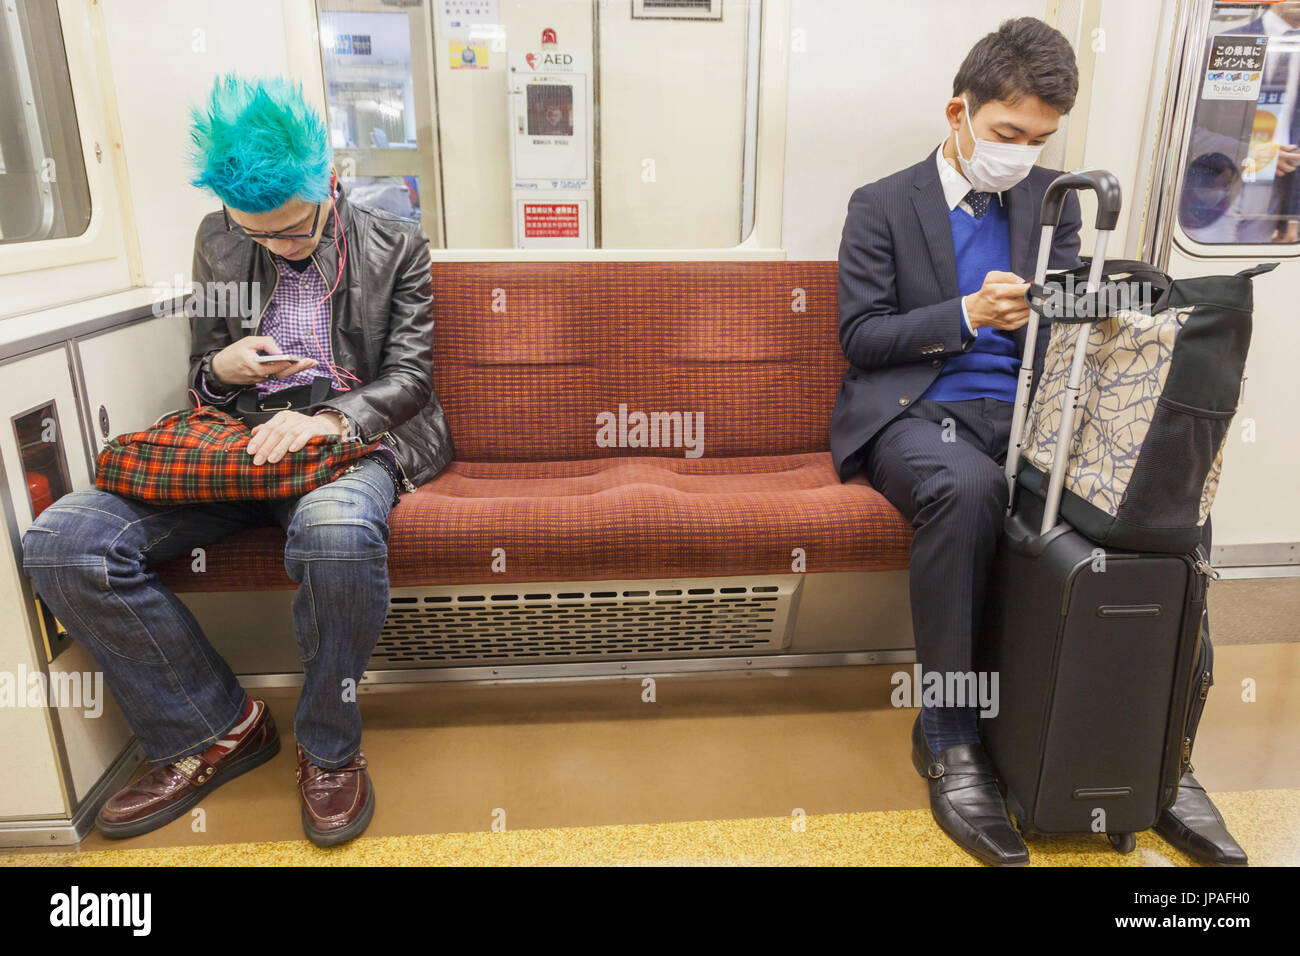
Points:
x=472, y=28
x=1270, y=128
x=468, y=55
x=1235, y=68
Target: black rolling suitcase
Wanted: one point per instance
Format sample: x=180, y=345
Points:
x=1094, y=648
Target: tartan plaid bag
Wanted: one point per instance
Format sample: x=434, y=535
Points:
x=198, y=455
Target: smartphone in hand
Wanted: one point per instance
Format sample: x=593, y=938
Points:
x=282, y=358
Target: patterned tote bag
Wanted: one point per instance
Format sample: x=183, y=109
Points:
x=1162, y=377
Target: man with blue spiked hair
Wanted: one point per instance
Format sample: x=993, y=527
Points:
x=259, y=145
x=339, y=342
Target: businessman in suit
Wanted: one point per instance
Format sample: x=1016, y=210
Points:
x=933, y=271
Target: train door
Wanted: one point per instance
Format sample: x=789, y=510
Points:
x=664, y=100
x=379, y=90
x=1225, y=195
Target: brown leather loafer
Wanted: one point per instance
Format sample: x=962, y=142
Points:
x=336, y=804
x=165, y=793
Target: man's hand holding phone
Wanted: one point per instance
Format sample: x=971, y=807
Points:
x=1000, y=302
x=239, y=363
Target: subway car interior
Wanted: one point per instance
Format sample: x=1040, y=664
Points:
x=649, y=432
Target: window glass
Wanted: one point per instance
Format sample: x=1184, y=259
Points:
x=43, y=188
x=1241, y=184
x=367, y=59
x=383, y=143
x=399, y=195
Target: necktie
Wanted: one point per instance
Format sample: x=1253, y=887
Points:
x=979, y=202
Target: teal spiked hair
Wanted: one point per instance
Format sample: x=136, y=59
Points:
x=258, y=144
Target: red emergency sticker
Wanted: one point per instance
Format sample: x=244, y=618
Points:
x=550, y=220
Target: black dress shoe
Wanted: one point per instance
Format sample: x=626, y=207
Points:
x=1193, y=825
x=966, y=803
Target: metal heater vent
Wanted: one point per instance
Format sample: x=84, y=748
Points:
x=676, y=9
x=576, y=622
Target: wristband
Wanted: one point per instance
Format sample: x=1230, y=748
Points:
x=210, y=380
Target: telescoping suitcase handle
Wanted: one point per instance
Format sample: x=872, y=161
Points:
x=1105, y=185
x=1109, y=200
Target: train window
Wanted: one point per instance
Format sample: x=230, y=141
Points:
x=549, y=123
x=371, y=95
x=1241, y=184
x=44, y=193
x=368, y=80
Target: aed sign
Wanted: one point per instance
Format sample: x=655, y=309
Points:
x=552, y=157
x=548, y=62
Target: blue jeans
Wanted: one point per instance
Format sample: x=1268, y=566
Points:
x=88, y=556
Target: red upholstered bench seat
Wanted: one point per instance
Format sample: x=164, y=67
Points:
x=604, y=519
x=528, y=359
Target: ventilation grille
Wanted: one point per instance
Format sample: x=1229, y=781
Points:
x=604, y=621
x=676, y=9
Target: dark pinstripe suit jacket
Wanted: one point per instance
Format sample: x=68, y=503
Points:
x=900, y=313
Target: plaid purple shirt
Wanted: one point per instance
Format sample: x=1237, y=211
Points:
x=298, y=318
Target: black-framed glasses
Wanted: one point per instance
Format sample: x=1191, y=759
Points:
x=233, y=227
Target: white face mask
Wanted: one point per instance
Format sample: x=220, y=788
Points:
x=995, y=167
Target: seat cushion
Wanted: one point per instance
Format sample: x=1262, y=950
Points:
x=528, y=355
x=600, y=519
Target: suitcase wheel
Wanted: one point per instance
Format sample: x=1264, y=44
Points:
x=1027, y=832
x=1123, y=842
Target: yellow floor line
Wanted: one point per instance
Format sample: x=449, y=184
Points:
x=1265, y=822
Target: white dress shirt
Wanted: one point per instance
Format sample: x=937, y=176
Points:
x=955, y=188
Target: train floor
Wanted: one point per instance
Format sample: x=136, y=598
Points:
x=801, y=767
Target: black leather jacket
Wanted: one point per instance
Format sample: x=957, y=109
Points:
x=381, y=327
